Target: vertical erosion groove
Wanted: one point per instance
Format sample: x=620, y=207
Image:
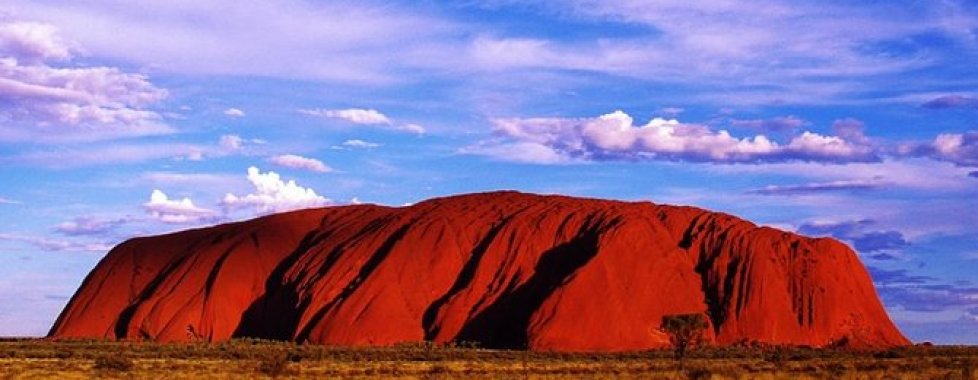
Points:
x=365, y=270
x=274, y=314
x=504, y=323
x=463, y=280
x=125, y=317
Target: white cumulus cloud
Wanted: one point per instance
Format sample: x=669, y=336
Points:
x=616, y=136
x=299, y=162
x=272, y=194
x=356, y=143
x=831, y=148
x=167, y=210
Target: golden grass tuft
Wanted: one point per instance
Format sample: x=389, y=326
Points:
x=249, y=358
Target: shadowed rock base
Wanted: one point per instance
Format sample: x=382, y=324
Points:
x=504, y=269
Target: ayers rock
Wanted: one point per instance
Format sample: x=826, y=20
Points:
x=504, y=269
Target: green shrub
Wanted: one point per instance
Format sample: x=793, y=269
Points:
x=684, y=330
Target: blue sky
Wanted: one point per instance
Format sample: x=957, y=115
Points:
x=858, y=121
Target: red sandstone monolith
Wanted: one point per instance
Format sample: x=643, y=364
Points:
x=503, y=269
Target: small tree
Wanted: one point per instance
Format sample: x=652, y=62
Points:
x=685, y=331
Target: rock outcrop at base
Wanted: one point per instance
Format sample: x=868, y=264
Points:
x=502, y=269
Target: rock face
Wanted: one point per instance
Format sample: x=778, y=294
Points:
x=504, y=269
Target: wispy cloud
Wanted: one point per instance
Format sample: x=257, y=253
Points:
x=767, y=51
x=49, y=244
x=352, y=115
x=818, y=187
x=935, y=298
x=518, y=151
x=900, y=289
x=231, y=142
x=91, y=225
x=357, y=143
x=777, y=124
x=363, y=116
x=899, y=172
x=196, y=179
x=347, y=42
x=777, y=43
x=299, y=162
x=119, y=153
x=670, y=111
x=106, y=154
x=861, y=233
x=411, y=127
x=47, y=100
x=234, y=112
x=897, y=276
x=5, y=201
x=952, y=101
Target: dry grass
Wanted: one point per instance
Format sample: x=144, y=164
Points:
x=247, y=359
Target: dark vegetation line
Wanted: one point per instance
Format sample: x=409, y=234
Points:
x=264, y=358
